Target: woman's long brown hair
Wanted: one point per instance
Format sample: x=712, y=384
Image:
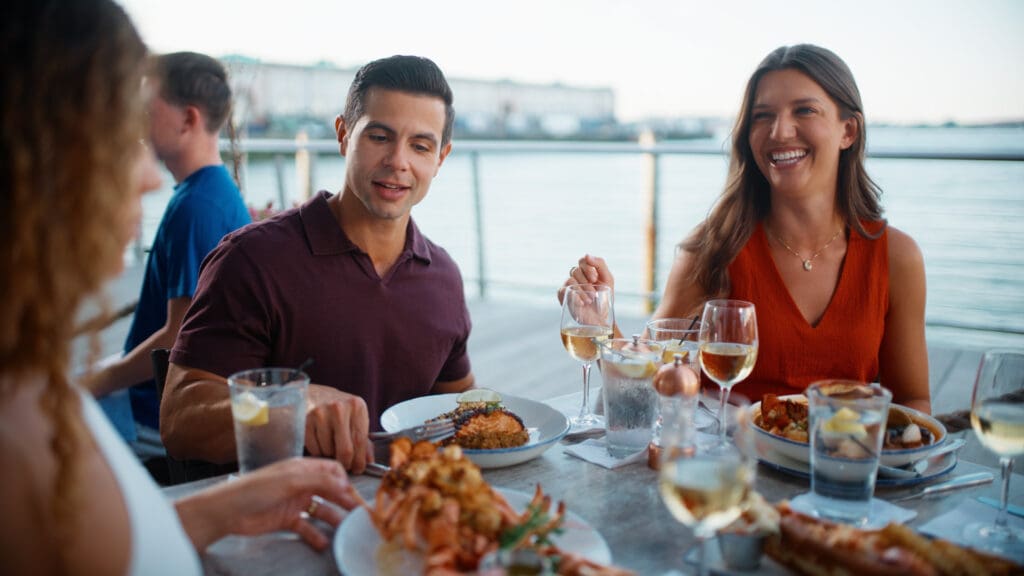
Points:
x=746, y=199
x=72, y=117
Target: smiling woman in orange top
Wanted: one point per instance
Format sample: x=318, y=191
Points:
x=799, y=232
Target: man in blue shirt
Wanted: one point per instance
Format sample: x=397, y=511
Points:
x=190, y=102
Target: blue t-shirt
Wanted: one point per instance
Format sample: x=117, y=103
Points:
x=205, y=206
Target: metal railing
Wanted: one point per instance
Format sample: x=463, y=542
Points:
x=305, y=153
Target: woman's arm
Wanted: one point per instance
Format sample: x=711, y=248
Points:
x=269, y=499
x=683, y=298
x=903, y=357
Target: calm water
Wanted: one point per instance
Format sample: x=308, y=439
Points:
x=542, y=211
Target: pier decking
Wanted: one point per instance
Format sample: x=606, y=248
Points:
x=515, y=349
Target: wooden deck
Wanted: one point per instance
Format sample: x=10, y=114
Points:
x=515, y=349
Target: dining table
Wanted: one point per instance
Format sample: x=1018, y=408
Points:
x=623, y=505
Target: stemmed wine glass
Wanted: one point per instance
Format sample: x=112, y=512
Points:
x=728, y=347
x=587, y=318
x=709, y=488
x=997, y=416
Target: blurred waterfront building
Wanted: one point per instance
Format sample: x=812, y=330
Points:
x=280, y=100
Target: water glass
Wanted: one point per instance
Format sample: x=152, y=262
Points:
x=268, y=406
x=678, y=336
x=847, y=427
x=630, y=401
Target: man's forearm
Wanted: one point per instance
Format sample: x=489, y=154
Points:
x=196, y=424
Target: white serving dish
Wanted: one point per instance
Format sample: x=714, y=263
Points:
x=544, y=424
x=800, y=451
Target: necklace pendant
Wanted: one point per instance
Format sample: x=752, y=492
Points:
x=807, y=265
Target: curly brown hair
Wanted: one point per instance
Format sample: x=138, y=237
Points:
x=73, y=113
x=746, y=199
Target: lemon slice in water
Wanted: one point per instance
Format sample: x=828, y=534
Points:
x=845, y=421
x=250, y=410
x=636, y=368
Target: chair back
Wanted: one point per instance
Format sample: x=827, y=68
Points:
x=180, y=471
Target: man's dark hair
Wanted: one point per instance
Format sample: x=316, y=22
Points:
x=412, y=74
x=192, y=79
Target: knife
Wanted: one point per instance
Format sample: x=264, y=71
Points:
x=1011, y=508
x=976, y=479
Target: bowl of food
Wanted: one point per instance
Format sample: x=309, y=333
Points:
x=781, y=424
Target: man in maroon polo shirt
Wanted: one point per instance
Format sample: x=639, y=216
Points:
x=346, y=279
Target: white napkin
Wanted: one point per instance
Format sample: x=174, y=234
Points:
x=950, y=526
x=881, y=514
x=596, y=451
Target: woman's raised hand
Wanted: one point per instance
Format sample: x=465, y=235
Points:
x=589, y=270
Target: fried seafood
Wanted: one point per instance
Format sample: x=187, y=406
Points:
x=809, y=545
x=784, y=417
x=787, y=417
x=435, y=501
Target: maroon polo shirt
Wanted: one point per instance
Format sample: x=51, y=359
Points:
x=295, y=287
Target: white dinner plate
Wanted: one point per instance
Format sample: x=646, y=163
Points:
x=356, y=540
x=800, y=451
x=544, y=424
x=937, y=466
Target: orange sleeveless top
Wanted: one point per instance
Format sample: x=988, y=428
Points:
x=793, y=354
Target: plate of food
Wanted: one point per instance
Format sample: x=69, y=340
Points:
x=493, y=430
x=421, y=517
x=781, y=425
x=810, y=545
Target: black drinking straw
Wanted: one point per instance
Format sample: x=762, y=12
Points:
x=696, y=317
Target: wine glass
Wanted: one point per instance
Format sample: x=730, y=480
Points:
x=587, y=318
x=728, y=346
x=997, y=416
x=707, y=489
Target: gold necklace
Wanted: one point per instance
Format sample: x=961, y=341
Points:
x=807, y=261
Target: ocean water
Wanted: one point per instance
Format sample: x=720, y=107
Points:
x=542, y=211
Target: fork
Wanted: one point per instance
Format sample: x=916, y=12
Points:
x=432, y=430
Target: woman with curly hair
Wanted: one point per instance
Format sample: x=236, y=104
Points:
x=72, y=172
x=799, y=232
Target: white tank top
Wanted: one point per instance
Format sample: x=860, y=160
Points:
x=159, y=543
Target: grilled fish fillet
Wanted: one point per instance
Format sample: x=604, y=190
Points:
x=487, y=429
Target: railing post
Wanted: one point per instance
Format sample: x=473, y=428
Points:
x=303, y=171
x=479, y=213
x=279, y=171
x=651, y=248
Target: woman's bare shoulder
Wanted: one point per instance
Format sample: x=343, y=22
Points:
x=27, y=477
x=97, y=532
x=904, y=253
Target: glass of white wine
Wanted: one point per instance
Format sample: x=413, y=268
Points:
x=587, y=318
x=728, y=347
x=708, y=489
x=997, y=416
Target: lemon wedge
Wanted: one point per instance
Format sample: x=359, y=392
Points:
x=845, y=421
x=476, y=395
x=636, y=369
x=250, y=410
